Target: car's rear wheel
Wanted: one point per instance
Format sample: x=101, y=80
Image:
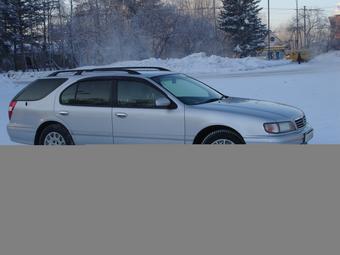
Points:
x=223, y=137
x=55, y=135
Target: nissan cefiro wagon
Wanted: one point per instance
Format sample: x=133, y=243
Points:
x=145, y=105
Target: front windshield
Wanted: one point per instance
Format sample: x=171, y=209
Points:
x=188, y=90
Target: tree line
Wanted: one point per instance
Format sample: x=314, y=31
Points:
x=49, y=34
x=52, y=34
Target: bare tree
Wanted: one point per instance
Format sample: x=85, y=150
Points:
x=313, y=31
x=68, y=33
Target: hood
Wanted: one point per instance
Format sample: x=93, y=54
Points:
x=263, y=109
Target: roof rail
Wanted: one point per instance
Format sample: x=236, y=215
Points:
x=130, y=70
x=146, y=68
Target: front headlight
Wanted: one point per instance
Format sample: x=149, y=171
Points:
x=280, y=127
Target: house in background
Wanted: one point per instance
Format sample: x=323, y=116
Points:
x=278, y=47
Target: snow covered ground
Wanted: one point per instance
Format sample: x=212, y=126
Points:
x=200, y=63
x=8, y=90
x=313, y=87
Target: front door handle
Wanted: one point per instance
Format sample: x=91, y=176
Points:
x=121, y=115
x=64, y=113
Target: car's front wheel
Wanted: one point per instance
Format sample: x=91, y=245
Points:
x=223, y=137
x=55, y=135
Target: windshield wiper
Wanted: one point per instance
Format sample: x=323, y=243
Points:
x=210, y=101
x=223, y=97
x=214, y=100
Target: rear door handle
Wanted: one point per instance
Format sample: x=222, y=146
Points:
x=64, y=113
x=121, y=115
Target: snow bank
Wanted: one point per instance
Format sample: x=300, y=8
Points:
x=198, y=63
x=201, y=63
x=26, y=77
x=332, y=57
x=5, y=82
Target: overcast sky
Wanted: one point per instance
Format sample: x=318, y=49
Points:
x=282, y=10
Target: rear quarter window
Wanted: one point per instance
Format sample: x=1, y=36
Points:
x=39, y=89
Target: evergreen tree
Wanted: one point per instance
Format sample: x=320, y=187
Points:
x=23, y=16
x=240, y=20
x=3, y=32
x=7, y=17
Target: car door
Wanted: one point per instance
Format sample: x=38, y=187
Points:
x=86, y=108
x=137, y=120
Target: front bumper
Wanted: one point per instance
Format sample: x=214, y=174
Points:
x=302, y=136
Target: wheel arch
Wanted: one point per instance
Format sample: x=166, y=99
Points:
x=43, y=126
x=206, y=131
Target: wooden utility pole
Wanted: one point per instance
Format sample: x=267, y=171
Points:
x=215, y=18
x=71, y=34
x=304, y=26
x=297, y=25
x=269, y=37
x=215, y=23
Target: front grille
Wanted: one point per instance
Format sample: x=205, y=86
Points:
x=301, y=123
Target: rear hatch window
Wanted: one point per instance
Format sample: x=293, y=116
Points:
x=39, y=89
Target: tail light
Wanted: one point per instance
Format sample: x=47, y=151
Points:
x=11, y=109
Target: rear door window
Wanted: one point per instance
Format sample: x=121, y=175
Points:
x=96, y=93
x=39, y=89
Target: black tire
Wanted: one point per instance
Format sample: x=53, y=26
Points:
x=223, y=134
x=59, y=129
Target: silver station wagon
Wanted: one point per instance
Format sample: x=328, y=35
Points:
x=145, y=105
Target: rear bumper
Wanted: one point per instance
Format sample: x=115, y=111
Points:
x=300, y=137
x=19, y=134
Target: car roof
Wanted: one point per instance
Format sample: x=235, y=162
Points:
x=148, y=75
x=144, y=72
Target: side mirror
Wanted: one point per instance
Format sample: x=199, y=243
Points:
x=163, y=102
